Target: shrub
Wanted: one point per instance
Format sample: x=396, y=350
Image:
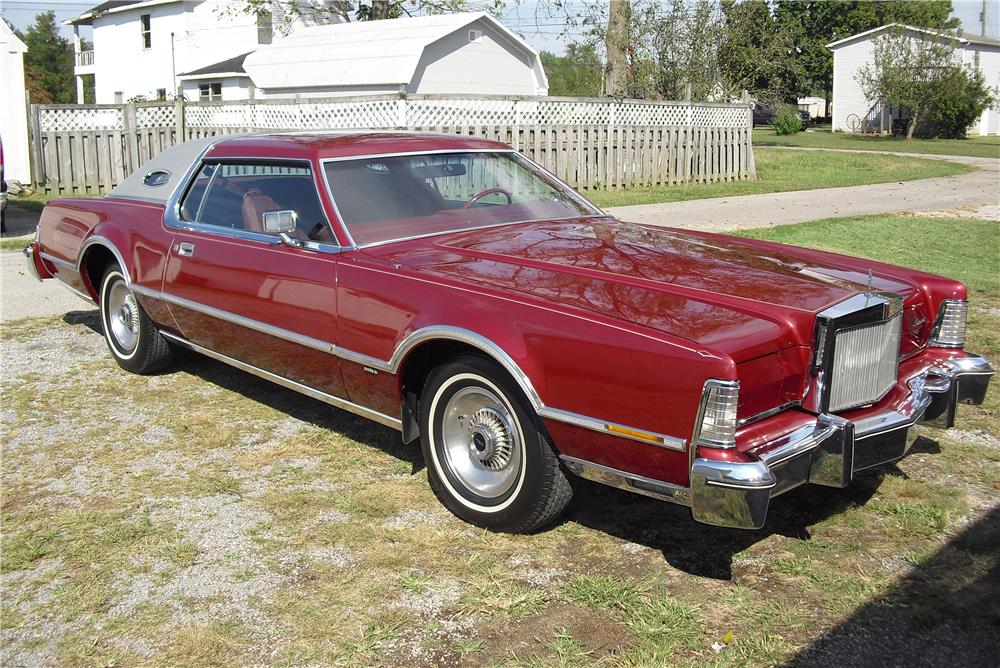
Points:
x=787, y=121
x=960, y=97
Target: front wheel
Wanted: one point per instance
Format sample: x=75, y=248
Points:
x=487, y=459
x=132, y=337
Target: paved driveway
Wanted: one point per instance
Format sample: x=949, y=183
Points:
x=979, y=188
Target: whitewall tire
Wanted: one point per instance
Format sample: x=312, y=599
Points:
x=488, y=460
x=132, y=338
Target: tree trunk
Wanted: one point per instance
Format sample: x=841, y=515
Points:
x=380, y=10
x=616, y=43
x=910, y=127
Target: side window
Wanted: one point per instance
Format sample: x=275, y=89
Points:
x=237, y=196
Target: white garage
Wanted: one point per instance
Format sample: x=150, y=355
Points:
x=13, y=107
x=468, y=53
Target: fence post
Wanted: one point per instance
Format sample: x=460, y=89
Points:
x=401, y=112
x=131, y=140
x=179, y=120
x=38, y=165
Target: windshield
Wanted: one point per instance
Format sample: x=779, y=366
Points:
x=386, y=198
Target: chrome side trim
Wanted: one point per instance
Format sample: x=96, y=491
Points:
x=337, y=402
x=414, y=339
x=57, y=261
x=630, y=482
x=669, y=442
x=255, y=325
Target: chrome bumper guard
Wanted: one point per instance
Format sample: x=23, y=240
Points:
x=29, y=256
x=737, y=494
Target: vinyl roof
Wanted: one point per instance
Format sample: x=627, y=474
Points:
x=360, y=53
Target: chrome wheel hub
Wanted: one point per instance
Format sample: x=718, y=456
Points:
x=123, y=317
x=481, y=442
x=490, y=439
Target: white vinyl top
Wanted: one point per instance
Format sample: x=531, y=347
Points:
x=363, y=53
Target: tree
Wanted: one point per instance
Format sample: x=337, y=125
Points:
x=910, y=70
x=285, y=12
x=48, y=63
x=617, y=45
x=819, y=22
x=756, y=55
x=577, y=74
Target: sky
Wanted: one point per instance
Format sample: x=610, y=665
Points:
x=543, y=27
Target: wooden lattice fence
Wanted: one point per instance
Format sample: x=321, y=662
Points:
x=88, y=149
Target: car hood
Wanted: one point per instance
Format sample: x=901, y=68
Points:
x=741, y=299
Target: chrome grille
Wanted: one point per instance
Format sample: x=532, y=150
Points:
x=865, y=361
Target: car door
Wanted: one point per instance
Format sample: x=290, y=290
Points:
x=236, y=288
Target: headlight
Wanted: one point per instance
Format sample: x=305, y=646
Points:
x=716, y=424
x=949, y=329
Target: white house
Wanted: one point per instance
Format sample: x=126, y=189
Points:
x=816, y=106
x=853, y=112
x=13, y=107
x=468, y=53
x=140, y=47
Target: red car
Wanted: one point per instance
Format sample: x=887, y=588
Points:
x=448, y=287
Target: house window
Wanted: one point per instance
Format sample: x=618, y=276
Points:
x=210, y=92
x=265, y=27
x=147, y=35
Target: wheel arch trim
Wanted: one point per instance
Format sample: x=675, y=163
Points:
x=100, y=240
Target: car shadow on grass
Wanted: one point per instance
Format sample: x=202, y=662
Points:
x=287, y=401
x=707, y=551
x=944, y=612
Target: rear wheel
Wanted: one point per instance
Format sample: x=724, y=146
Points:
x=131, y=336
x=487, y=459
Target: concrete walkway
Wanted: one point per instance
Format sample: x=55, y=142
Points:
x=979, y=188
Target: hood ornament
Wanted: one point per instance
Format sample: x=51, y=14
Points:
x=869, y=291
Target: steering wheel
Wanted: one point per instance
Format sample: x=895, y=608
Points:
x=489, y=191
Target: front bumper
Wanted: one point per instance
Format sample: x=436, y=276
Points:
x=737, y=493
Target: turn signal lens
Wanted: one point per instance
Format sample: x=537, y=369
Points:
x=717, y=418
x=949, y=331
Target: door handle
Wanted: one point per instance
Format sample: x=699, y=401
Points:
x=185, y=249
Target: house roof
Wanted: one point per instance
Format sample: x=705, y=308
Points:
x=229, y=66
x=9, y=41
x=361, y=53
x=962, y=38
x=112, y=6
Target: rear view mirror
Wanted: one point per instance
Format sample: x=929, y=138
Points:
x=276, y=222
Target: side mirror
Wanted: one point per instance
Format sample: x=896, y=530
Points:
x=277, y=222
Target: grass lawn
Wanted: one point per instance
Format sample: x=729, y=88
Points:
x=779, y=171
x=984, y=147
x=206, y=517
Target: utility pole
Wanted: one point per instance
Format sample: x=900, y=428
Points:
x=983, y=18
